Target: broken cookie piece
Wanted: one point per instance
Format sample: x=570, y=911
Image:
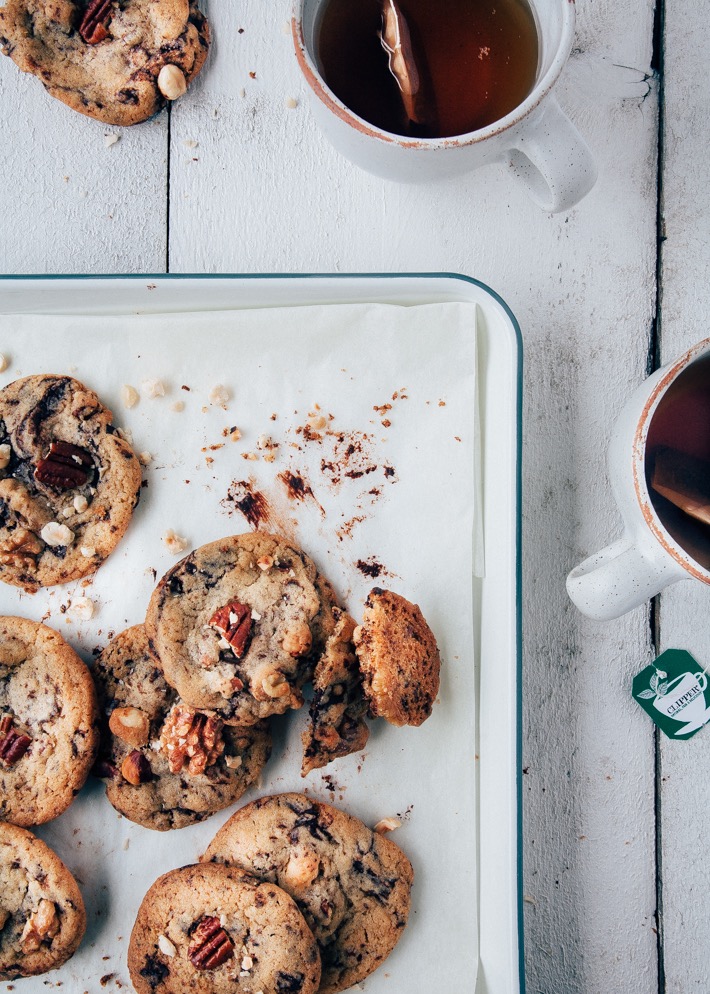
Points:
x=399, y=659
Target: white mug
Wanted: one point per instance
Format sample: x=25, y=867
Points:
x=646, y=558
x=536, y=140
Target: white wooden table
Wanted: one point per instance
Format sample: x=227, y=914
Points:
x=617, y=892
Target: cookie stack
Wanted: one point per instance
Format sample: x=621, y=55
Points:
x=232, y=634
x=291, y=896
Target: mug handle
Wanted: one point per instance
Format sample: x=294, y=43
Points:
x=553, y=160
x=618, y=579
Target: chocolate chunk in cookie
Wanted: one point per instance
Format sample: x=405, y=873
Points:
x=399, y=659
x=167, y=765
x=118, y=62
x=68, y=482
x=352, y=884
x=42, y=917
x=48, y=722
x=213, y=929
x=234, y=626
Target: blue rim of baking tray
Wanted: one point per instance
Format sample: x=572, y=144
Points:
x=518, y=486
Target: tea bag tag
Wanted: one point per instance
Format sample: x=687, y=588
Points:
x=674, y=691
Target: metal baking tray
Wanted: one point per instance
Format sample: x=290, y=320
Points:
x=493, y=766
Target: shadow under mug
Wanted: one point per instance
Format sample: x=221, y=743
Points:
x=647, y=558
x=536, y=140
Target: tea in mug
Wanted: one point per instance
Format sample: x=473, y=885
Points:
x=429, y=68
x=678, y=460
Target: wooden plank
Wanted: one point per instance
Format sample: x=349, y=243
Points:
x=68, y=202
x=684, y=616
x=267, y=193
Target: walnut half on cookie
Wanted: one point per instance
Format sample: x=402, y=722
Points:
x=116, y=62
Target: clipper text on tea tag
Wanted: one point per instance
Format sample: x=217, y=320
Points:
x=674, y=691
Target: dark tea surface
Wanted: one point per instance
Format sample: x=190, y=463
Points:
x=473, y=60
x=679, y=438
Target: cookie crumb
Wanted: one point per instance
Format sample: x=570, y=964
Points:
x=190, y=143
x=178, y=406
x=145, y=458
x=129, y=396
x=173, y=542
x=291, y=103
x=4, y=362
x=110, y=140
x=5, y=455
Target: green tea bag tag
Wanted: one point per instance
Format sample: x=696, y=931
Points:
x=674, y=691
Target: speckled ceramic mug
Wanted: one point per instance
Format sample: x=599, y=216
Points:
x=536, y=140
x=646, y=558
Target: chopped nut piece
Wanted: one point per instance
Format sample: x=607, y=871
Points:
x=211, y=945
x=110, y=140
x=247, y=963
x=21, y=546
x=265, y=562
x=40, y=927
x=233, y=622
x=165, y=946
x=82, y=608
x=387, y=825
x=174, y=543
x=275, y=685
x=297, y=641
x=4, y=362
x=145, y=458
x=136, y=768
x=95, y=21
x=56, y=535
x=302, y=869
x=129, y=396
x=233, y=762
x=153, y=388
x=235, y=434
x=5, y=455
x=87, y=551
x=219, y=395
x=80, y=503
x=131, y=725
x=191, y=738
x=171, y=82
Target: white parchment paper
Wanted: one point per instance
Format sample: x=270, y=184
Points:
x=388, y=498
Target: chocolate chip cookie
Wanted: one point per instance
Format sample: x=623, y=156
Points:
x=399, y=659
x=68, y=482
x=167, y=765
x=42, y=917
x=213, y=929
x=337, y=710
x=233, y=625
x=118, y=61
x=352, y=884
x=48, y=722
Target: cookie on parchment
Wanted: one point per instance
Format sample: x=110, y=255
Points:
x=118, y=62
x=48, y=722
x=352, y=884
x=213, y=929
x=167, y=765
x=42, y=916
x=233, y=626
x=399, y=659
x=68, y=482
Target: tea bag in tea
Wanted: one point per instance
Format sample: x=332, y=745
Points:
x=684, y=481
x=408, y=65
